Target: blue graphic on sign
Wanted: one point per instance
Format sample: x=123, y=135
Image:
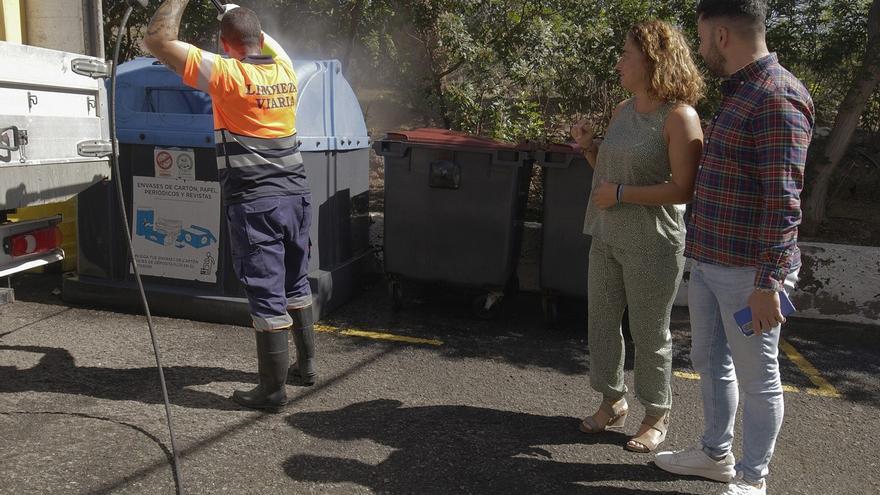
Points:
x=165, y=230
x=195, y=236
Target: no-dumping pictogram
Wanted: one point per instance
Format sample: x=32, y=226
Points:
x=164, y=160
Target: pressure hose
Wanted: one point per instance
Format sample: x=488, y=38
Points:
x=117, y=178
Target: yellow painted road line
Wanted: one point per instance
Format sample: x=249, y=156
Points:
x=686, y=375
x=378, y=335
x=823, y=387
x=696, y=376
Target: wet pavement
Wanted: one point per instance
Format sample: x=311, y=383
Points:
x=427, y=400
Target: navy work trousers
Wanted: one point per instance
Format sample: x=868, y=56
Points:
x=269, y=238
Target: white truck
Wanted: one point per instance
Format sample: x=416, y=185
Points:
x=54, y=131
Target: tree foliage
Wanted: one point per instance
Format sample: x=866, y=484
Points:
x=823, y=43
x=199, y=26
x=519, y=69
x=859, y=90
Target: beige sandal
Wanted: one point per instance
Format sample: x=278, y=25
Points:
x=615, y=413
x=652, y=436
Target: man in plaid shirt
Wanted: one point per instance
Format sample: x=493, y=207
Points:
x=742, y=241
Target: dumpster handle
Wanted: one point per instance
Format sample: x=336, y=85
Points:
x=518, y=162
x=384, y=148
x=541, y=158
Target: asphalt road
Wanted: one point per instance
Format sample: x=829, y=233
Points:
x=428, y=400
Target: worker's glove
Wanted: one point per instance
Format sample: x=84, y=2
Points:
x=226, y=8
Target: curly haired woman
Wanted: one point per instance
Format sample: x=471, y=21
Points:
x=644, y=171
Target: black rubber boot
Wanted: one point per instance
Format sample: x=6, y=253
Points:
x=272, y=361
x=303, y=370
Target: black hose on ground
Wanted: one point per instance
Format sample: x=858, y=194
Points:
x=117, y=178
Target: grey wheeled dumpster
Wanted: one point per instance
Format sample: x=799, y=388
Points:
x=565, y=248
x=454, y=206
x=170, y=182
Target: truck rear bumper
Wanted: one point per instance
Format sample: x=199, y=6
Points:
x=33, y=262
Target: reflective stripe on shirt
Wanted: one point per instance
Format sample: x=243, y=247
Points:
x=251, y=167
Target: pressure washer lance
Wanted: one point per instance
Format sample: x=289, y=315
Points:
x=221, y=10
x=114, y=159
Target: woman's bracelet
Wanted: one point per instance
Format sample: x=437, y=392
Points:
x=619, y=193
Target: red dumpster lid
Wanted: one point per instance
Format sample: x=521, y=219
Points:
x=457, y=139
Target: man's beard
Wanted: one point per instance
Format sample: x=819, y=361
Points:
x=715, y=61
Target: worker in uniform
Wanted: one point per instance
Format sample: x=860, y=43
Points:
x=265, y=192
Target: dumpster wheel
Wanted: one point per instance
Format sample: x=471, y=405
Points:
x=550, y=308
x=396, y=291
x=487, y=306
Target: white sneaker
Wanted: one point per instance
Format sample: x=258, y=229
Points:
x=695, y=462
x=739, y=486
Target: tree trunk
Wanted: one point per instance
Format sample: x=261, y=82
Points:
x=848, y=115
x=436, y=61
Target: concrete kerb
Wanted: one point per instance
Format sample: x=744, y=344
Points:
x=6, y=295
x=837, y=282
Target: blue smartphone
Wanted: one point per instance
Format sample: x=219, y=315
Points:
x=743, y=317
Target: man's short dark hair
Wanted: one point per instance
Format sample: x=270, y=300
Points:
x=750, y=14
x=241, y=27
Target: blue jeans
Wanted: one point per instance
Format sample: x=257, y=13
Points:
x=724, y=357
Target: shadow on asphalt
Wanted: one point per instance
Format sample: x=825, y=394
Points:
x=518, y=335
x=57, y=372
x=445, y=314
x=459, y=449
x=43, y=288
x=847, y=355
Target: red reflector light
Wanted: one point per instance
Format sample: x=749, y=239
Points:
x=34, y=242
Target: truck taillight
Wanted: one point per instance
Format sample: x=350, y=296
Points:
x=33, y=242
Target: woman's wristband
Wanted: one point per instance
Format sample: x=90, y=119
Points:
x=619, y=193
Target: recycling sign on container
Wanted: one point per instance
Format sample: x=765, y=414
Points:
x=175, y=162
x=176, y=226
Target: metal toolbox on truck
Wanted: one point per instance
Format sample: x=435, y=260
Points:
x=54, y=143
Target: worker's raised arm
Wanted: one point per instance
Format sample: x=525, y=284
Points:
x=161, y=39
x=274, y=49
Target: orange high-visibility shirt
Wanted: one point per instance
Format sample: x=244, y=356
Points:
x=254, y=102
x=250, y=99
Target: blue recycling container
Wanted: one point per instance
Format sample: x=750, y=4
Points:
x=169, y=177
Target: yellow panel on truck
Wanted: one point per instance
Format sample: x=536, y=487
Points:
x=12, y=21
x=67, y=210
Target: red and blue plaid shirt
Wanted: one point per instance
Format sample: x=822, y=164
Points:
x=747, y=208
